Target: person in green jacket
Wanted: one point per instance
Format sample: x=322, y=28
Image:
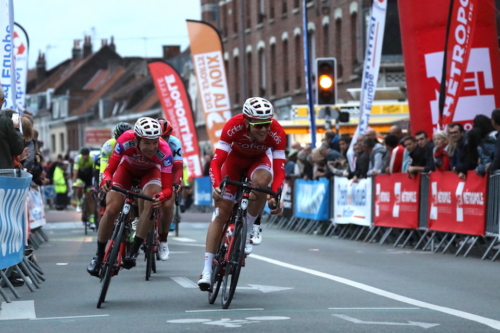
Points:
x=61, y=185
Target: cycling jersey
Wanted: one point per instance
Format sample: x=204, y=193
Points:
x=106, y=151
x=236, y=142
x=80, y=163
x=126, y=153
x=176, y=148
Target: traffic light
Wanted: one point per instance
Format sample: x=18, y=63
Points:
x=326, y=81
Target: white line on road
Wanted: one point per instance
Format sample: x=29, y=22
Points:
x=71, y=317
x=373, y=308
x=185, y=282
x=222, y=310
x=461, y=314
x=409, y=323
x=17, y=310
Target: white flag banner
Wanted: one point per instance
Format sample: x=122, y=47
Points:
x=375, y=37
x=352, y=201
x=7, y=71
x=21, y=47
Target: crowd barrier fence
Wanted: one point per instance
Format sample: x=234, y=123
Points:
x=431, y=212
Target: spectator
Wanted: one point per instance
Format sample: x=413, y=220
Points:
x=206, y=167
x=329, y=154
x=376, y=154
x=319, y=164
x=398, y=133
x=471, y=155
x=305, y=157
x=60, y=184
x=297, y=145
x=371, y=134
x=459, y=162
x=417, y=155
x=344, y=143
x=428, y=146
x=495, y=121
x=291, y=168
x=332, y=140
x=487, y=144
x=362, y=161
x=396, y=154
x=11, y=141
x=440, y=151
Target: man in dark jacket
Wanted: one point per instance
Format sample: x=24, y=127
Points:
x=495, y=120
x=11, y=140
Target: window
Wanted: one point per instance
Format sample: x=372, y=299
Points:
x=286, y=80
x=248, y=10
x=283, y=7
x=354, y=44
x=261, y=12
x=326, y=40
x=338, y=46
x=235, y=17
x=271, y=10
x=249, y=74
x=273, y=69
x=298, y=68
x=237, y=78
x=262, y=72
x=61, y=142
x=311, y=41
x=296, y=3
x=53, y=143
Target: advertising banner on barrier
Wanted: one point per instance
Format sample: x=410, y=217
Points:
x=176, y=107
x=397, y=201
x=202, y=191
x=36, y=212
x=312, y=198
x=352, y=201
x=455, y=205
x=423, y=32
x=13, y=193
x=208, y=62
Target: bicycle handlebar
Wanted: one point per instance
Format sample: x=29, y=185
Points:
x=266, y=190
x=131, y=193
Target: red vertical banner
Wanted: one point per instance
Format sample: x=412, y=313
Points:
x=455, y=205
x=397, y=201
x=177, y=109
x=423, y=31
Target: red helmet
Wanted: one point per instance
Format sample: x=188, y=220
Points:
x=166, y=129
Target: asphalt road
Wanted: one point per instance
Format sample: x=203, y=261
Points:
x=291, y=283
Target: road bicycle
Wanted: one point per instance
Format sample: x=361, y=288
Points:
x=117, y=246
x=151, y=245
x=230, y=256
x=85, y=210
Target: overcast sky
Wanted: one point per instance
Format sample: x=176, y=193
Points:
x=139, y=27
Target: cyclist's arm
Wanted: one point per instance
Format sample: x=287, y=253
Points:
x=279, y=160
x=106, y=151
x=114, y=160
x=166, y=184
x=177, y=172
x=216, y=165
x=76, y=167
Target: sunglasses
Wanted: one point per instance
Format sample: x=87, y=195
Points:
x=260, y=125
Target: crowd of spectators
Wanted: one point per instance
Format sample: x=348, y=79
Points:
x=454, y=149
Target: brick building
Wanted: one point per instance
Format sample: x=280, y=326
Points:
x=263, y=47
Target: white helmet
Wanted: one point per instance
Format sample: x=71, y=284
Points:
x=258, y=108
x=147, y=128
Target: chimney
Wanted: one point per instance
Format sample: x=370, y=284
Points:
x=41, y=72
x=170, y=51
x=104, y=42
x=87, y=46
x=112, y=44
x=76, y=51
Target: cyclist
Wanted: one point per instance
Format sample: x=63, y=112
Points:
x=138, y=154
x=82, y=180
x=168, y=209
x=255, y=142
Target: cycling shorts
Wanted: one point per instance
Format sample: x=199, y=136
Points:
x=85, y=175
x=125, y=173
x=235, y=164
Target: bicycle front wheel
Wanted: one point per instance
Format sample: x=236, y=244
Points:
x=111, y=264
x=236, y=255
x=149, y=254
x=217, y=275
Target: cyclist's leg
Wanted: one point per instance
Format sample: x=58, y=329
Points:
x=90, y=201
x=114, y=203
x=167, y=215
x=78, y=189
x=260, y=175
x=150, y=184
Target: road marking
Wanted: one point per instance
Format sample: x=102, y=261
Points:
x=222, y=310
x=17, y=310
x=226, y=322
x=461, y=314
x=185, y=282
x=62, y=264
x=409, y=323
x=373, y=308
x=70, y=317
x=183, y=239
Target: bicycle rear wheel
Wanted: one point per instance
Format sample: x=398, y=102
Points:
x=217, y=275
x=236, y=256
x=111, y=264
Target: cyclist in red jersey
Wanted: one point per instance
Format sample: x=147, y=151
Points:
x=139, y=153
x=250, y=141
